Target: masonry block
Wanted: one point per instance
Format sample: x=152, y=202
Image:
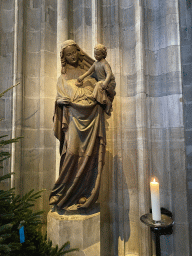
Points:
x=82, y=230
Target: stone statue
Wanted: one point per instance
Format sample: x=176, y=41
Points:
x=79, y=124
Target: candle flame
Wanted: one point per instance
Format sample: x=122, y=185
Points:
x=154, y=179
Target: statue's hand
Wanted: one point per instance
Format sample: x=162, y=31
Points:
x=80, y=78
x=63, y=102
x=104, y=86
x=60, y=102
x=78, y=83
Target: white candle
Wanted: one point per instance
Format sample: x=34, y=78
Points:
x=155, y=200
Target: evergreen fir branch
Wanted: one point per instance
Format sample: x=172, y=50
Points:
x=38, y=194
x=3, y=136
x=65, y=248
x=5, y=227
x=5, y=158
x=54, y=250
x=70, y=250
x=4, y=236
x=7, y=142
x=33, y=218
x=5, y=248
x=27, y=195
x=6, y=194
x=2, y=94
x=6, y=176
x=4, y=155
x=7, y=215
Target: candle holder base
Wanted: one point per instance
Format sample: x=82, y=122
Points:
x=163, y=227
x=157, y=222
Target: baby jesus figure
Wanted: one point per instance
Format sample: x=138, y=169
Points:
x=104, y=90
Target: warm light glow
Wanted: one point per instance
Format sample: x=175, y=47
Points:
x=154, y=180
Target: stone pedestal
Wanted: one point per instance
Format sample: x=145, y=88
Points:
x=81, y=230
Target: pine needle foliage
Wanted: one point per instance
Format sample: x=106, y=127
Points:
x=17, y=211
x=3, y=141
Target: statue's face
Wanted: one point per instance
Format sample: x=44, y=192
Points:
x=98, y=55
x=71, y=54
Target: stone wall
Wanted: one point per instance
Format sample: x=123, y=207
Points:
x=186, y=59
x=165, y=117
x=149, y=136
x=6, y=78
x=32, y=61
x=145, y=134
x=39, y=78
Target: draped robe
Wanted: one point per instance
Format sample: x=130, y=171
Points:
x=79, y=124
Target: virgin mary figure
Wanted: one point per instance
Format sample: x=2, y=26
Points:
x=79, y=125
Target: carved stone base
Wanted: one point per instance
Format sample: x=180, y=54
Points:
x=81, y=230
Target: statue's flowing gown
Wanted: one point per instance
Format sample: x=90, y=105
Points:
x=79, y=124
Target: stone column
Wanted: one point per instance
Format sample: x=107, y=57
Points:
x=185, y=11
x=141, y=127
x=62, y=35
x=11, y=73
x=18, y=98
x=82, y=24
x=7, y=73
x=39, y=77
x=94, y=25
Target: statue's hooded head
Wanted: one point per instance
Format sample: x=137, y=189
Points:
x=70, y=54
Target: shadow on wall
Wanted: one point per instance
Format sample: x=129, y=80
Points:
x=114, y=206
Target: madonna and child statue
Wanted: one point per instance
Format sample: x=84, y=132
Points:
x=85, y=92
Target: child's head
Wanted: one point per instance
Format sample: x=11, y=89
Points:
x=100, y=51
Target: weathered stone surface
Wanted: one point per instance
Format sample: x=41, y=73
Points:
x=186, y=43
x=33, y=21
x=36, y=4
x=33, y=41
x=93, y=250
x=2, y=108
x=164, y=84
x=186, y=56
x=82, y=230
x=7, y=20
x=187, y=76
x=188, y=115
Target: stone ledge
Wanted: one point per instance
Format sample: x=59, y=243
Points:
x=81, y=230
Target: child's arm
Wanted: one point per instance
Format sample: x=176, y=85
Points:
x=89, y=72
x=108, y=72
